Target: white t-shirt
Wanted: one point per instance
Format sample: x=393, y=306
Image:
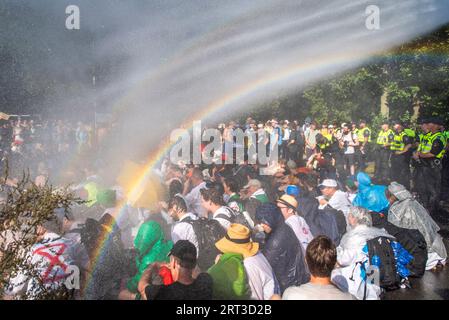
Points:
x=310, y=291
x=301, y=229
x=193, y=200
x=350, y=138
x=184, y=230
x=224, y=222
x=261, y=278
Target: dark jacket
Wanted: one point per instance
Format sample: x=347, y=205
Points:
x=328, y=222
x=284, y=253
x=282, y=248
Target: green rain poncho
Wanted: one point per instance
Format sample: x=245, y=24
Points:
x=151, y=246
x=230, y=281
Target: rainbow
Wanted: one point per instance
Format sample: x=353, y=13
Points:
x=225, y=101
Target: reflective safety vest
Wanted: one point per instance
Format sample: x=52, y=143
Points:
x=329, y=138
x=423, y=138
x=361, y=136
x=411, y=133
x=382, y=138
x=398, y=142
x=428, y=142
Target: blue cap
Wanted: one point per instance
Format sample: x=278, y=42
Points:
x=292, y=190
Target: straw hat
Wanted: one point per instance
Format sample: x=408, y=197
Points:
x=289, y=201
x=238, y=240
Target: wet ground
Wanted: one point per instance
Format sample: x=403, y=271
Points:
x=434, y=285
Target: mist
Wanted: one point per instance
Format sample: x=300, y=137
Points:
x=159, y=65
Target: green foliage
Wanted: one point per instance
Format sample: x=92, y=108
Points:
x=25, y=206
x=416, y=73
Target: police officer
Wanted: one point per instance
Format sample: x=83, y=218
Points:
x=383, y=143
x=430, y=152
x=400, y=155
x=364, y=136
x=444, y=203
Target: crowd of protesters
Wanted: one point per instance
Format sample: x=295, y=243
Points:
x=313, y=229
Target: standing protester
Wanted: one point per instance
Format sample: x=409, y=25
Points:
x=310, y=139
x=286, y=133
x=348, y=142
x=364, y=137
x=296, y=144
x=444, y=202
x=384, y=141
x=430, y=153
x=400, y=156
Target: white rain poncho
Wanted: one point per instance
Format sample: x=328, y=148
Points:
x=410, y=214
x=350, y=277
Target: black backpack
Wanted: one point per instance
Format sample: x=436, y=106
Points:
x=207, y=231
x=411, y=239
x=381, y=247
x=236, y=217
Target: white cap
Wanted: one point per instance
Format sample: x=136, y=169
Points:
x=328, y=183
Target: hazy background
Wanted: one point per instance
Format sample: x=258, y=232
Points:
x=159, y=64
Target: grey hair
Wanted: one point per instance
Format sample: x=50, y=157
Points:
x=362, y=216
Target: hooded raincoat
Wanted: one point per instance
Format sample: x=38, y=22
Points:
x=410, y=214
x=151, y=246
x=370, y=196
x=350, y=254
x=282, y=249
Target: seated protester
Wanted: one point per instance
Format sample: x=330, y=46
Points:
x=70, y=230
x=44, y=276
x=282, y=249
x=254, y=195
x=350, y=255
x=288, y=205
x=321, y=258
x=369, y=196
x=231, y=189
x=151, y=246
x=260, y=277
x=185, y=285
x=351, y=189
x=193, y=197
x=111, y=265
x=182, y=230
x=108, y=199
x=333, y=197
x=212, y=201
x=174, y=188
x=406, y=212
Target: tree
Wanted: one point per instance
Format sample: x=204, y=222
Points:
x=25, y=206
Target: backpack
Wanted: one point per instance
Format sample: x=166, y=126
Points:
x=230, y=280
x=411, y=239
x=381, y=247
x=208, y=232
x=236, y=217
